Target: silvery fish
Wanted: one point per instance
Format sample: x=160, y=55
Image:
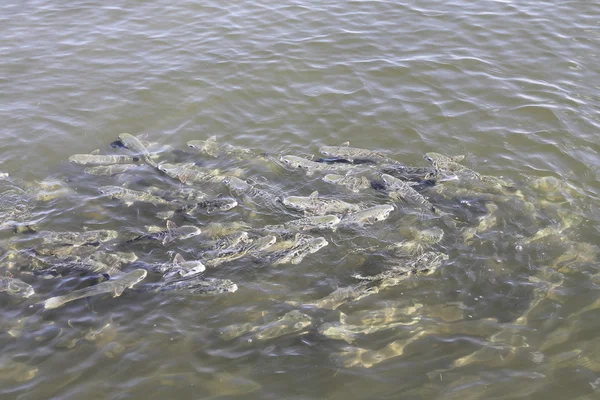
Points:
x=102, y=159
x=303, y=246
x=134, y=144
x=179, y=268
x=15, y=287
x=343, y=295
x=311, y=166
x=115, y=286
x=368, y=216
x=173, y=232
x=315, y=223
x=352, y=182
x=190, y=173
x=78, y=238
x=196, y=285
x=130, y=196
x=352, y=153
x=212, y=148
x=316, y=205
x=400, y=190
x=109, y=170
x=218, y=257
x=293, y=321
x=207, y=206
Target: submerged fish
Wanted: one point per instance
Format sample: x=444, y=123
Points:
x=212, y=148
x=15, y=287
x=315, y=223
x=179, y=268
x=316, y=205
x=102, y=159
x=368, y=216
x=400, y=190
x=352, y=182
x=190, y=173
x=134, y=144
x=311, y=166
x=301, y=247
x=110, y=170
x=115, y=286
x=78, y=238
x=196, y=285
x=218, y=257
x=130, y=196
x=293, y=321
x=352, y=153
x=173, y=232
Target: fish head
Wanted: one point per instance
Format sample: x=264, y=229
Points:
x=317, y=244
x=294, y=161
x=170, y=169
x=380, y=213
x=295, y=202
x=17, y=287
x=327, y=150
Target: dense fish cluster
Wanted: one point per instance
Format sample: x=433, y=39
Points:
x=366, y=188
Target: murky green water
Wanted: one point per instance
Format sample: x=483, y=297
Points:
x=512, y=85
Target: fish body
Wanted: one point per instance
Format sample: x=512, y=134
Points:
x=173, y=232
x=411, y=174
x=314, y=223
x=352, y=182
x=301, y=247
x=196, y=285
x=102, y=159
x=179, y=268
x=189, y=173
x=400, y=190
x=291, y=322
x=109, y=170
x=78, y=238
x=230, y=241
x=311, y=166
x=368, y=216
x=343, y=295
x=15, y=287
x=134, y=144
x=352, y=153
x=130, y=196
x=115, y=286
x=315, y=205
x=218, y=257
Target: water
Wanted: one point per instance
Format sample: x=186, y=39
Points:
x=512, y=85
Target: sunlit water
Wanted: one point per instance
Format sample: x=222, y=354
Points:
x=512, y=85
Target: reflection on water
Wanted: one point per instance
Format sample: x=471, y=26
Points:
x=506, y=311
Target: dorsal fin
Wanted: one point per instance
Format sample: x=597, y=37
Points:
x=171, y=225
x=178, y=259
x=213, y=138
x=126, y=184
x=343, y=318
x=345, y=144
x=314, y=194
x=95, y=152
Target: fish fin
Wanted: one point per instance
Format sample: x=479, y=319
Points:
x=53, y=302
x=171, y=225
x=95, y=152
x=118, y=291
x=126, y=185
x=213, y=138
x=178, y=259
x=345, y=144
x=314, y=194
x=343, y=318
x=458, y=158
x=129, y=203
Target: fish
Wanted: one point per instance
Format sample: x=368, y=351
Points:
x=368, y=216
x=218, y=257
x=92, y=237
x=314, y=223
x=316, y=205
x=209, y=146
x=302, y=246
x=419, y=175
x=102, y=159
x=212, y=148
x=132, y=143
x=291, y=322
x=173, y=232
x=15, y=287
x=352, y=182
x=311, y=166
x=179, y=268
x=109, y=170
x=115, y=286
x=344, y=294
x=189, y=173
x=400, y=190
x=207, y=206
x=196, y=284
x=130, y=196
x=352, y=153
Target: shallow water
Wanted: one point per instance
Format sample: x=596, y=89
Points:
x=512, y=85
